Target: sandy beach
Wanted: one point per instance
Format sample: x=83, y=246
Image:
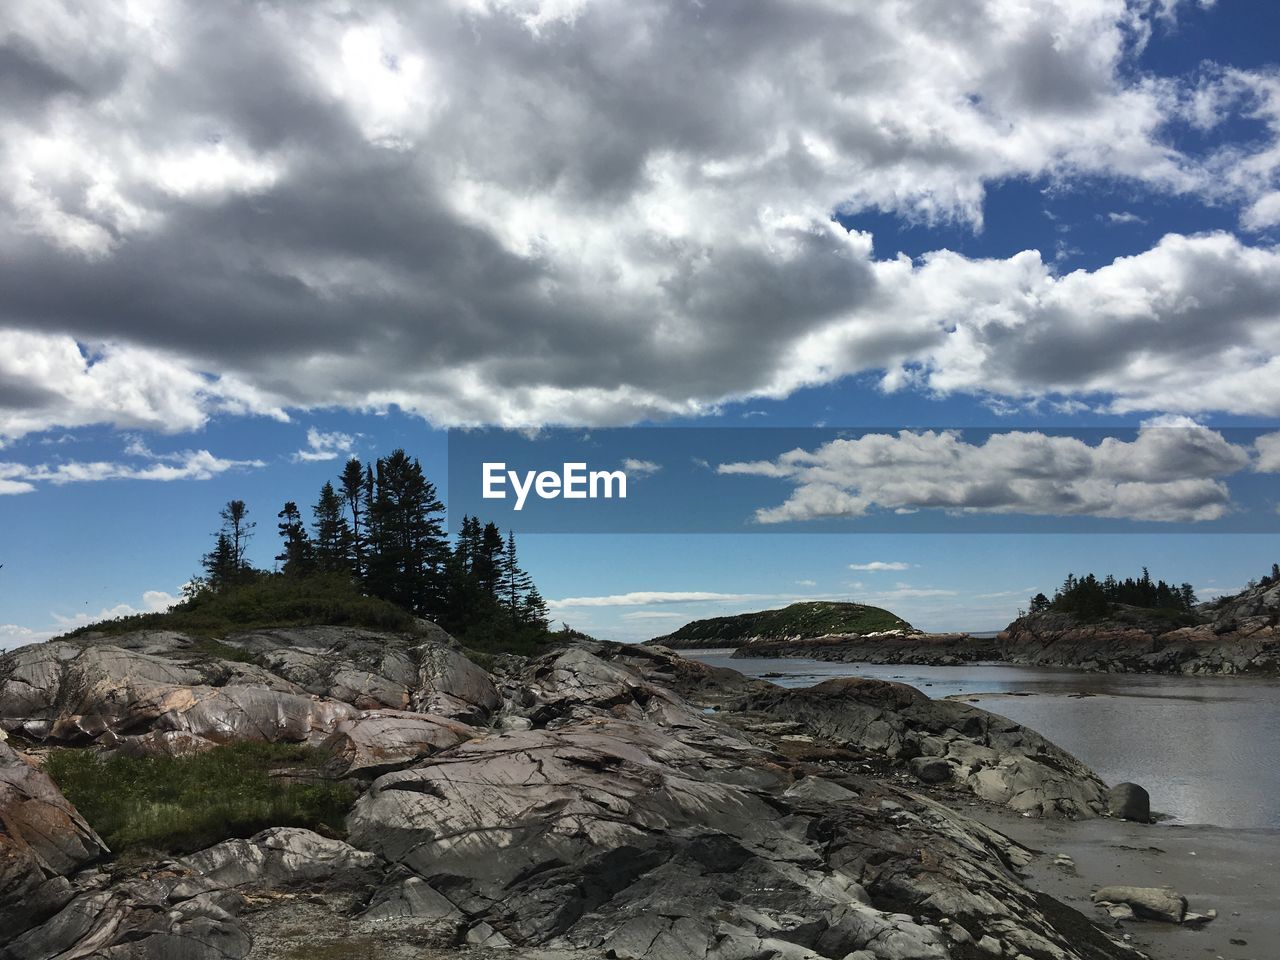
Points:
x=1231, y=871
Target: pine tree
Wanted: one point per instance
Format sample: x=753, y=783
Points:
x=406, y=536
x=298, y=556
x=516, y=584
x=535, y=610
x=486, y=563
x=333, y=536
x=219, y=563
x=239, y=530
x=352, y=483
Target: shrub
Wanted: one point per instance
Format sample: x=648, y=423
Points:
x=181, y=804
x=267, y=600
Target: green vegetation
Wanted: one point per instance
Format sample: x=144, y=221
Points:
x=375, y=555
x=800, y=620
x=265, y=600
x=1135, y=599
x=181, y=804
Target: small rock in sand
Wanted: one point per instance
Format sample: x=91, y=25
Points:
x=1154, y=903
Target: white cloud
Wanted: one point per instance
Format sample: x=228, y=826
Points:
x=1168, y=473
x=325, y=446
x=642, y=597
x=806, y=583
x=907, y=592
x=15, y=635
x=1268, y=450
x=877, y=565
x=153, y=601
x=1125, y=218
x=599, y=213
x=18, y=478
x=640, y=468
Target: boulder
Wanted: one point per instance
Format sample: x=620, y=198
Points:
x=1128, y=801
x=283, y=857
x=1151, y=903
x=931, y=769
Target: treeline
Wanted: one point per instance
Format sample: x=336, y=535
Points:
x=383, y=527
x=1090, y=597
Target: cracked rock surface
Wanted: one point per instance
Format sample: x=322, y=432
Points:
x=597, y=801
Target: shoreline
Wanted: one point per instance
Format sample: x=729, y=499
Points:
x=1228, y=869
x=950, y=650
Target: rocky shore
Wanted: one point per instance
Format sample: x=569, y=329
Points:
x=1240, y=635
x=599, y=800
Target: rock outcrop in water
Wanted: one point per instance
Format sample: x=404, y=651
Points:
x=995, y=758
x=598, y=801
x=1242, y=636
x=1235, y=635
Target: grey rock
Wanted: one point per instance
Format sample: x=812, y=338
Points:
x=1150, y=903
x=380, y=740
x=153, y=692
x=620, y=835
x=284, y=857
x=931, y=769
x=997, y=759
x=42, y=839
x=1128, y=801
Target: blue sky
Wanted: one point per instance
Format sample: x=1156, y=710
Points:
x=222, y=283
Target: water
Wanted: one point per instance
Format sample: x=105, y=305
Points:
x=1207, y=749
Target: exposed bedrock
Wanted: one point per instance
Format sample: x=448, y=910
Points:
x=600, y=807
x=941, y=740
x=164, y=692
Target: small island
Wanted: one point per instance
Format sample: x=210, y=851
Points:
x=1135, y=625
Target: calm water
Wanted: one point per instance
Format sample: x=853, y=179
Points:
x=1207, y=749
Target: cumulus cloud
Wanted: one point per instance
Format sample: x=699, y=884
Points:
x=153, y=601
x=1167, y=473
x=880, y=565
x=185, y=465
x=325, y=446
x=545, y=212
x=1268, y=450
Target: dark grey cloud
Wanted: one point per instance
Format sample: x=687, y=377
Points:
x=531, y=211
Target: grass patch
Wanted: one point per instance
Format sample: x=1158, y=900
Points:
x=268, y=600
x=178, y=805
x=797, y=621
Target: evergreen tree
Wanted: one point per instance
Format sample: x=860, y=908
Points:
x=408, y=549
x=239, y=530
x=516, y=584
x=352, y=482
x=298, y=556
x=1039, y=603
x=486, y=562
x=333, y=537
x=219, y=564
x=535, y=610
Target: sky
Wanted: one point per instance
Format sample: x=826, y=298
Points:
x=240, y=242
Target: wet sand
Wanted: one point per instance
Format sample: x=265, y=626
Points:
x=1236, y=872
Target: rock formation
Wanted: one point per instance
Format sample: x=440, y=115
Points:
x=599, y=800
